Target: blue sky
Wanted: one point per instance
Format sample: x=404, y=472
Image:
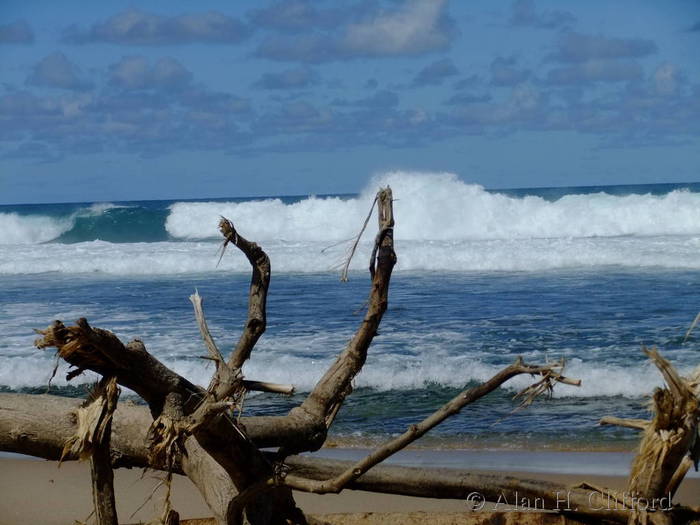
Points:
x=115, y=101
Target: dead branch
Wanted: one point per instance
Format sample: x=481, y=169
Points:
x=263, y=386
x=39, y=425
x=679, y=476
x=226, y=381
x=449, y=483
x=416, y=431
x=192, y=427
x=181, y=409
x=691, y=327
x=669, y=436
x=257, y=297
x=328, y=395
x=101, y=463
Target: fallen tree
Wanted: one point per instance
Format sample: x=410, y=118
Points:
x=202, y=434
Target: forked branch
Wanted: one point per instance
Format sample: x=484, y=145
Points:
x=223, y=374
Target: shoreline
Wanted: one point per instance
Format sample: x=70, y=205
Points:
x=526, y=461
x=530, y=461
x=37, y=491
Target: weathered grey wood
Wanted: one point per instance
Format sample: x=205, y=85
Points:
x=170, y=397
x=181, y=409
x=39, y=425
x=257, y=296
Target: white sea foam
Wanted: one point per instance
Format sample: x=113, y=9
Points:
x=529, y=255
x=442, y=207
x=382, y=373
x=32, y=229
x=406, y=357
x=442, y=224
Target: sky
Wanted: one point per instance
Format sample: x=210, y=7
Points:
x=110, y=100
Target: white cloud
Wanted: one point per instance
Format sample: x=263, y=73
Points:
x=418, y=26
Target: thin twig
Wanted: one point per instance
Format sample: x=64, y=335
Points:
x=692, y=327
x=149, y=498
x=346, y=266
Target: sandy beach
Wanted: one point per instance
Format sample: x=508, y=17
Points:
x=37, y=491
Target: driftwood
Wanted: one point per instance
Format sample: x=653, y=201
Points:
x=669, y=447
x=92, y=440
x=202, y=434
x=194, y=429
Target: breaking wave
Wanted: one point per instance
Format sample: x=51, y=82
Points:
x=443, y=223
x=382, y=373
x=442, y=207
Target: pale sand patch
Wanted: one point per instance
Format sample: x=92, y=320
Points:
x=36, y=491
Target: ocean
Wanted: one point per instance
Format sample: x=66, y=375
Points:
x=483, y=276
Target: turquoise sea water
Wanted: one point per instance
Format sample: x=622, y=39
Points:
x=587, y=274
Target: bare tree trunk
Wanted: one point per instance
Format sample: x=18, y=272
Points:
x=448, y=483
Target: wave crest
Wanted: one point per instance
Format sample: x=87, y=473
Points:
x=442, y=207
